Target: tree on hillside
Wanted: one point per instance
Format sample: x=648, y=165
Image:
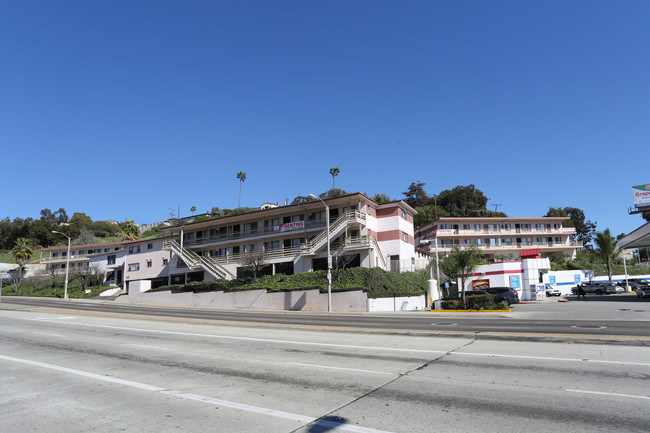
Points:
x=584, y=228
x=78, y=222
x=85, y=237
x=464, y=201
x=242, y=177
x=88, y=276
x=606, y=249
x=334, y=171
x=22, y=252
x=302, y=199
x=381, y=198
x=335, y=192
x=130, y=230
x=415, y=195
x=460, y=263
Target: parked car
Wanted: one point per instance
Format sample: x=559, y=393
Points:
x=504, y=294
x=634, y=283
x=643, y=292
x=552, y=291
x=598, y=288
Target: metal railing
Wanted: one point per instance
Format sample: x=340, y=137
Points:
x=193, y=260
x=482, y=231
x=231, y=236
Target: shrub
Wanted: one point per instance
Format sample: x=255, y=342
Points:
x=452, y=305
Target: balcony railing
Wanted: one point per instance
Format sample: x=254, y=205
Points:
x=59, y=259
x=231, y=236
x=518, y=245
x=505, y=232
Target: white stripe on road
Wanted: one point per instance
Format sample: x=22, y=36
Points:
x=548, y=358
x=341, y=368
x=611, y=394
x=195, y=397
x=45, y=333
x=348, y=346
x=149, y=347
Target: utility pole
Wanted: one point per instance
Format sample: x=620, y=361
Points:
x=496, y=206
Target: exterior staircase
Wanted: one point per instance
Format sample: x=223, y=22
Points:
x=195, y=261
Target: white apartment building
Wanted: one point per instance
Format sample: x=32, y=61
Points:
x=499, y=237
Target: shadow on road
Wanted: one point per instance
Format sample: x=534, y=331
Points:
x=327, y=423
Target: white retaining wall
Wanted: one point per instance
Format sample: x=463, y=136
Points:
x=303, y=300
x=409, y=303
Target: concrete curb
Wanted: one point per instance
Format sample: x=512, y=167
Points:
x=471, y=311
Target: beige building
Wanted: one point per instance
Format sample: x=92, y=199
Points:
x=293, y=239
x=499, y=237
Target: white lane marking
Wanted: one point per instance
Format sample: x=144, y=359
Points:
x=611, y=394
x=341, y=368
x=347, y=346
x=54, y=319
x=49, y=335
x=150, y=347
x=188, y=396
x=548, y=358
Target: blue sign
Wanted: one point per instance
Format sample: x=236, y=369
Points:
x=576, y=278
x=551, y=279
x=514, y=281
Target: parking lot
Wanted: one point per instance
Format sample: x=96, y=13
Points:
x=593, y=307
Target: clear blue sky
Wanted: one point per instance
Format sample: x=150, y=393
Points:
x=124, y=109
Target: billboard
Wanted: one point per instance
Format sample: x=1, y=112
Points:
x=641, y=195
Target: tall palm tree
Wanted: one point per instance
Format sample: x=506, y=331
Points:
x=242, y=177
x=334, y=171
x=606, y=249
x=22, y=253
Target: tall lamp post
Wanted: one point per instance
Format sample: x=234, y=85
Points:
x=67, y=264
x=329, y=256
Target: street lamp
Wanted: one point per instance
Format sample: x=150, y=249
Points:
x=67, y=265
x=329, y=256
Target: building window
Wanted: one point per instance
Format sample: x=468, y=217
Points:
x=477, y=227
x=273, y=245
x=165, y=261
x=405, y=236
x=403, y=214
x=505, y=226
x=148, y=263
x=111, y=259
x=134, y=250
x=466, y=226
x=150, y=246
x=134, y=266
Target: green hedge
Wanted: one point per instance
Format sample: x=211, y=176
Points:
x=376, y=282
x=475, y=302
x=44, y=288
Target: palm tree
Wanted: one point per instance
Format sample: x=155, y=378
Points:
x=22, y=253
x=242, y=177
x=193, y=209
x=460, y=263
x=606, y=249
x=334, y=171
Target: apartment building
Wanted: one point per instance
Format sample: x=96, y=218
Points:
x=148, y=260
x=499, y=237
x=293, y=239
x=108, y=257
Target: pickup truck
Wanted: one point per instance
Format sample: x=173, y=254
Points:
x=598, y=288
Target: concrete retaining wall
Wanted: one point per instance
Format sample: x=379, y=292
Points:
x=303, y=300
x=397, y=304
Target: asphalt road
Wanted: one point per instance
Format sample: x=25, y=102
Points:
x=67, y=371
x=623, y=318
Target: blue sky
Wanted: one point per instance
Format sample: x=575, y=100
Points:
x=126, y=109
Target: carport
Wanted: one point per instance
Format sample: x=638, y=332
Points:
x=639, y=238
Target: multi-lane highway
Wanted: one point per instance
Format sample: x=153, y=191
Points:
x=632, y=321
x=79, y=371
